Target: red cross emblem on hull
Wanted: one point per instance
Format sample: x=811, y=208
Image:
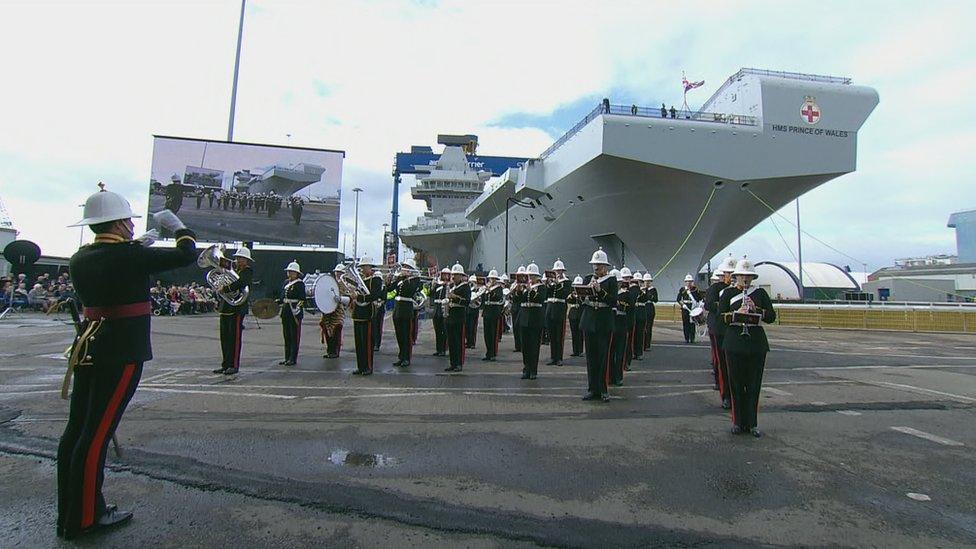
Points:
x=810, y=112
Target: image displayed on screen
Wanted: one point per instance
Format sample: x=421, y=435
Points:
x=241, y=192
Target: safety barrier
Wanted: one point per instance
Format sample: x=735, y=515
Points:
x=902, y=318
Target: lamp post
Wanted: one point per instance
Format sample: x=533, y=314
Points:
x=355, y=232
x=508, y=202
x=237, y=68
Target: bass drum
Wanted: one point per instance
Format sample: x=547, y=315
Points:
x=309, y=281
x=326, y=294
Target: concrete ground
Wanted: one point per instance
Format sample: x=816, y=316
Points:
x=869, y=443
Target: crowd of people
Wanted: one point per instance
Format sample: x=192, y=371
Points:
x=187, y=299
x=39, y=294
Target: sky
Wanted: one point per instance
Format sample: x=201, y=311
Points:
x=87, y=84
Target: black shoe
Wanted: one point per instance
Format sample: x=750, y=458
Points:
x=726, y=404
x=368, y=373
x=485, y=359
x=282, y=362
x=230, y=371
x=589, y=396
x=450, y=369
x=573, y=354
x=398, y=363
x=219, y=370
x=551, y=363
x=492, y=359
x=617, y=383
x=756, y=432
x=405, y=364
x=605, y=397
x=533, y=376
x=638, y=358
x=736, y=430
x=357, y=373
x=525, y=376
x=558, y=363
x=626, y=368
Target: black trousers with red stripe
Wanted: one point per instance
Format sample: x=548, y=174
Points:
x=99, y=397
x=403, y=326
x=745, y=382
x=531, y=345
x=577, y=335
x=231, y=331
x=379, y=314
x=471, y=327
x=618, y=352
x=333, y=343
x=556, y=323
x=456, y=340
x=291, y=330
x=363, y=336
x=493, y=330
x=597, y=346
x=640, y=332
x=440, y=334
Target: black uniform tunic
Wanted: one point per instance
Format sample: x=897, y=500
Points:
x=292, y=313
x=363, y=317
x=745, y=349
x=471, y=318
x=531, y=321
x=404, y=318
x=517, y=298
x=596, y=322
x=493, y=304
x=556, y=308
x=621, y=335
x=112, y=279
x=634, y=293
x=379, y=311
x=573, y=304
x=640, y=323
x=459, y=296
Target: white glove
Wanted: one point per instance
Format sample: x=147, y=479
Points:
x=149, y=237
x=168, y=220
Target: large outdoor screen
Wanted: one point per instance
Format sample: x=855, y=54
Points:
x=243, y=192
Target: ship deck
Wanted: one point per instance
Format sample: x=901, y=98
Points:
x=860, y=426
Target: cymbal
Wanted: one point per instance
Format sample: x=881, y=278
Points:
x=265, y=308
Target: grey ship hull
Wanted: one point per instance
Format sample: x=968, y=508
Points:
x=636, y=185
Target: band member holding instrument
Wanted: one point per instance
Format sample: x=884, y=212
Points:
x=633, y=291
x=517, y=297
x=331, y=324
x=716, y=328
x=111, y=279
x=688, y=298
x=369, y=274
x=531, y=320
x=458, y=297
x=651, y=309
x=596, y=322
x=438, y=296
x=406, y=288
x=364, y=318
x=474, y=310
x=292, y=312
x=573, y=302
x=621, y=330
x=493, y=302
x=742, y=307
x=558, y=290
x=640, y=317
x=232, y=316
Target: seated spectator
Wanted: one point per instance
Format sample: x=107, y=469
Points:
x=37, y=298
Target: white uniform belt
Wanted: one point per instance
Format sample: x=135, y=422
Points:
x=494, y=302
x=457, y=306
x=292, y=300
x=555, y=300
x=532, y=304
x=595, y=304
x=401, y=298
x=619, y=312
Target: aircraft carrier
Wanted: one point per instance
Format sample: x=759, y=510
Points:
x=658, y=192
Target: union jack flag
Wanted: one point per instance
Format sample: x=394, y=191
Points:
x=691, y=85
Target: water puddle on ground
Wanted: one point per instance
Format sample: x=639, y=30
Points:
x=359, y=459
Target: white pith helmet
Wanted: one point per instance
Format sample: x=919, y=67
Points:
x=578, y=280
x=558, y=265
x=521, y=270
x=445, y=270
x=728, y=266
x=599, y=258
x=744, y=267
x=367, y=261
x=105, y=206
x=472, y=278
x=625, y=273
x=638, y=276
x=532, y=269
x=493, y=274
x=717, y=275
x=244, y=252
x=648, y=277
x=294, y=267
x=409, y=265
x=457, y=269
x=616, y=274
x=689, y=278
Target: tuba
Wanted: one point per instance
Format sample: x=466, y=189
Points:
x=351, y=277
x=219, y=276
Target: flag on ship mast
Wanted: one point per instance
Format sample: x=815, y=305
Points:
x=690, y=85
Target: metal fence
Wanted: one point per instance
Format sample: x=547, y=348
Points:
x=851, y=317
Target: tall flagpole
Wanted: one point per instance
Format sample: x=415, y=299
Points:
x=237, y=67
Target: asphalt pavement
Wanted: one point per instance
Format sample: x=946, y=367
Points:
x=869, y=443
